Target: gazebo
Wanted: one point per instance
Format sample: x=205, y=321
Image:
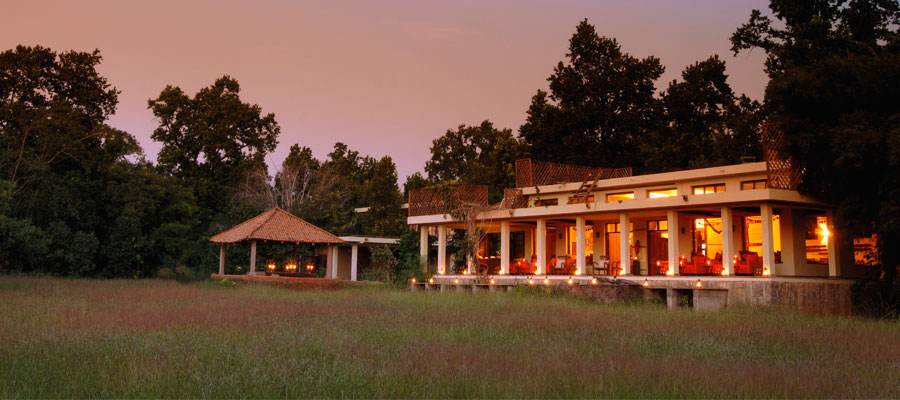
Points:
x=276, y=225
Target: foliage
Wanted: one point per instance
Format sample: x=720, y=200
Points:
x=384, y=262
x=415, y=181
x=77, y=196
x=834, y=75
x=602, y=110
x=211, y=140
x=480, y=155
x=706, y=123
x=601, y=105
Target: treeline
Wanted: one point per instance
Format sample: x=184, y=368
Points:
x=78, y=198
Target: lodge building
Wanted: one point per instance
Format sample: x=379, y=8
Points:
x=744, y=222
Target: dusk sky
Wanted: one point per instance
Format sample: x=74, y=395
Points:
x=385, y=77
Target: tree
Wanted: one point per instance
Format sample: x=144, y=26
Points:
x=834, y=75
x=415, y=181
x=705, y=120
x=212, y=139
x=480, y=155
x=601, y=105
x=51, y=105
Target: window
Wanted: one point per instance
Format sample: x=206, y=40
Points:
x=817, y=236
x=751, y=185
x=707, y=189
x=619, y=196
x=658, y=225
x=657, y=193
x=546, y=202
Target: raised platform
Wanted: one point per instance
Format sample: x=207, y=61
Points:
x=817, y=295
x=295, y=282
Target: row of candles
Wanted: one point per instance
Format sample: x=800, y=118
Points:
x=290, y=266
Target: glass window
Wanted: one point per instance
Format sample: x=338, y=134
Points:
x=546, y=202
x=658, y=225
x=817, y=236
x=707, y=189
x=751, y=185
x=619, y=196
x=657, y=193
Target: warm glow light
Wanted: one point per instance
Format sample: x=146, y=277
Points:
x=530, y=281
x=824, y=232
x=413, y=280
x=699, y=284
x=670, y=271
x=430, y=280
x=646, y=283
x=766, y=272
x=578, y=272
x=571, y=281
x=546, y=281
x=492, y=281
x=593, y=281
x=699, y=223
x=456, y=281
x=724, y=271
x=441, y=272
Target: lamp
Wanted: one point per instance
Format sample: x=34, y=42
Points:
x=646, y=283
x=699, y=284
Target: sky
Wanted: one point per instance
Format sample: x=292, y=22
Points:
x=384, y=77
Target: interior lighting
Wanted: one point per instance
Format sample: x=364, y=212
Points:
x=825, y=233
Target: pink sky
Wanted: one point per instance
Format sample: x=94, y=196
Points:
x=385, y=77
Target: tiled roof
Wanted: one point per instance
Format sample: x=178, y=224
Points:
x=276, y=225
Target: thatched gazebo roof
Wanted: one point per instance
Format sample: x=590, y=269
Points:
x=276, y=225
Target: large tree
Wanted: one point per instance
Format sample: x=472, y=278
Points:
x=51, y=106
x=212, y=139
x=834, y=75
x=600, y=108
x=706, y=122
x=480, y=154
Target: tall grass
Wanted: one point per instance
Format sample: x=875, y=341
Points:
x=84, y=338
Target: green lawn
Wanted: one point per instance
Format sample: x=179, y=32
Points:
x=100, y=338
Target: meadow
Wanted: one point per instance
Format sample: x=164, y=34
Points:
x=163, y=339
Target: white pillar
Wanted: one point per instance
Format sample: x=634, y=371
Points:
x=504, y=247
x=423, y=247
x=540, y=235
x=222, y=259
x=334, y=261
x=727, y=241
x=253, y=257
x=624, y=245
x=672, y=222
x=354, y=250
x=834, y=245
x=442, y=250
x=768, y=238
x=579, y=245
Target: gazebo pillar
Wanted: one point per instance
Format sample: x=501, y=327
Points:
x=222, y=259
x=253, y=257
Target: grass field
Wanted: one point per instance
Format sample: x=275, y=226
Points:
x=92, y=338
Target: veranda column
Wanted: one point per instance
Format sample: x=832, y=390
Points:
x=253, y=257
x=334, y=261
x=504, y=247
x=442, y=250
x=540, y=236
x=727, y=241
x=768, y=239
x=423, y=247
x=579, y=245
x=354, y=250
x=624, y=244
x=834, y=245
x=222, y=259
x=672, y=222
